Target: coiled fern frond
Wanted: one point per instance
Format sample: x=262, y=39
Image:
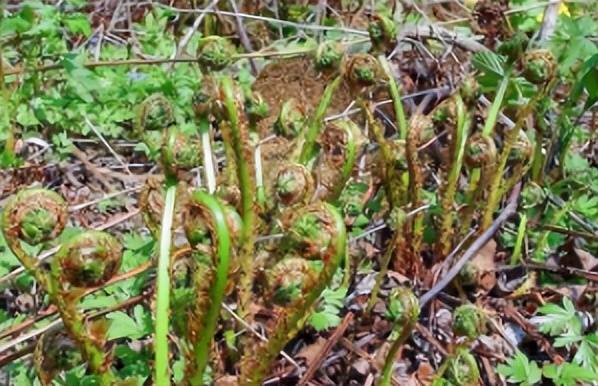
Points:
x=207, y=230
x=313, y=248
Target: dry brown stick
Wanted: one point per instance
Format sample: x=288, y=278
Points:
x=588, y=275
x=330, y=343
x=473, y=249
x=102, y=174
x=431, y=339
x=13, y=356
x=569, y=232
x=9, y=358
x=17, y=328
x=51, y=310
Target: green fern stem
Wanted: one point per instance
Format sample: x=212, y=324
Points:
x=5, y=123
x=495, y=190
x=208, y=164
x=395, y=94
x=243, y=158
x=348, y=146
x=474, y=190
x=397, y=240
x=541, y=249
x=221, y=263
x=256, y=364
x=88, y=259
x=161, y=357
x=393, y=186
x=315, y=122
x=539, y=159
x=516, y=255
x=449, y=189
x=416, y=182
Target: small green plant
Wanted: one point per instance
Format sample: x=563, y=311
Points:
x=565, y=324
x=403, y=311
x=519, y=369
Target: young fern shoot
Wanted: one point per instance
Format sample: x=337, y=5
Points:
x=449, y=187
x=37, y=216
x=314, y=246
x=237, y=125
x=403, y=310
x=87, y=260
x=207, y=231
x=179, y=153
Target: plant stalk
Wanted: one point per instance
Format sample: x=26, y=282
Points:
x=243, y=157
x=315, y=123
x=450, y=188
x=395, y=94
x=161, y=375
x=217, y=289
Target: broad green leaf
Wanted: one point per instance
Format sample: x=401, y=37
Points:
x=124, y=326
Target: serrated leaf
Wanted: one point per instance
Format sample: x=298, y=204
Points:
x=490, y=63
x=520, y=369
x=556, y=320
x=568, y=374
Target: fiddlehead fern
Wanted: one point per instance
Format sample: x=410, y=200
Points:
x=520, y=160
x=460, y=369
x=403, y=311
x=480, y=158
x=214, y=53
x=179, y=153
x=291, y=119
x=236, y=124
x=361, y=70
x=341, y=143
x=294, y=185
x=328, y=55
x=480, y=151
x=154, y=114
x=469, y=321
x=383, y=33
x=54, y=352
x=33, y=216
x=257, y=108
x=87, y=260
x=316, y=236
x=206, y=227
x=539, y=66
x=449, y=188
